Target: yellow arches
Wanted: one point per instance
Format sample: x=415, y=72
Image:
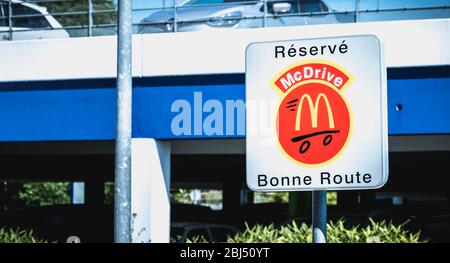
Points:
x=314, y=108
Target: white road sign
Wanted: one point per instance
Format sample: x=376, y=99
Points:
x=316, y=114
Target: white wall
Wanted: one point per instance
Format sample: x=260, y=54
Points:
x=407, y=44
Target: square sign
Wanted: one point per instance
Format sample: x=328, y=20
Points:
x=316, y=114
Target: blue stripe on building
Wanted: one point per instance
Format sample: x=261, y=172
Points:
x=85, y=109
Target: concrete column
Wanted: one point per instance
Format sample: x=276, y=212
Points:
x=150, y=191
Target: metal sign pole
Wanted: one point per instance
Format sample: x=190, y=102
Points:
x=319, y=216
x=122, y=204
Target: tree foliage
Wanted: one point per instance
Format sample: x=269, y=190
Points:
x=66, y=6
x=48, y=193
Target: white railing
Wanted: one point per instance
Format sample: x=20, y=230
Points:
x=31, y=19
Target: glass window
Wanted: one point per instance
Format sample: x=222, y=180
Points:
x=3, y=14
x=30, y=18
x=311, y=6
x=205, y=2
x=385, y=10
x=389, y=4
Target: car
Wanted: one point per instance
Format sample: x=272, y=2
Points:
x=196, y=15
x=183, y=231
x=29, y=21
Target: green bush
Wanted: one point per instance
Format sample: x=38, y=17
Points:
x=8, y=235
x=375, y=232
x=381, y=232
x=48, y=193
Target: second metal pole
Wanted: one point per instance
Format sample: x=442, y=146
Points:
x=90, y=18
x=122, y=202
x=319, y=216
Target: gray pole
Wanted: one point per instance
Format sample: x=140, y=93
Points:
x=90, y=18
x=319, y=216
x=122, y=204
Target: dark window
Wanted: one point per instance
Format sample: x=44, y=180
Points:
x=29, y=18
x=3, y=14
x=311, y=6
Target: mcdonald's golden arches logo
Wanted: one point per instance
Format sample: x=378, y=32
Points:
x=314, y=119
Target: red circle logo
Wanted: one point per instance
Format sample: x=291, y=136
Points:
x=313, y=120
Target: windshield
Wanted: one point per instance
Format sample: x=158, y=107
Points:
x=205, y=2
